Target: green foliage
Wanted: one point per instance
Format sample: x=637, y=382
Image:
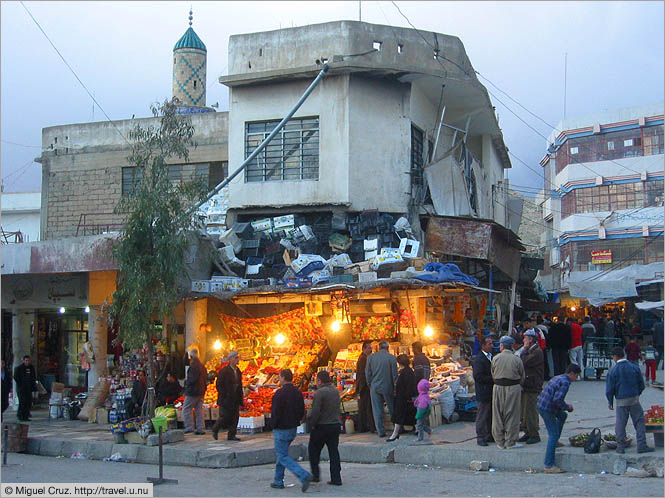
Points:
x=150, y=252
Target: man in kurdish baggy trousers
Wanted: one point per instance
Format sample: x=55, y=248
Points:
x=534, y=372
x=625, y=383
x=552, y=408
x=288, y=411
x=508, y=375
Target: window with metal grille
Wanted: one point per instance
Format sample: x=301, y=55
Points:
x=131, y=178
x=293, y=154
x=417, y=143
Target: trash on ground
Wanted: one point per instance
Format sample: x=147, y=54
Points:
x=79, y=456
x=116, y=457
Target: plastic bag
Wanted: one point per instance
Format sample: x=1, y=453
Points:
x=592, y=444
x=447, y=401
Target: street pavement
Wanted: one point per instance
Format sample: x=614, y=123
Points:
x=386, y=480
x=454, y=445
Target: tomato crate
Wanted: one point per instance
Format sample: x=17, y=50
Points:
x=251, y=425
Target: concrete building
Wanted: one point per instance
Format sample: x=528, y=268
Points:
x=398, y=127
x=603, y=198
x=369, y=137
x=20, y=216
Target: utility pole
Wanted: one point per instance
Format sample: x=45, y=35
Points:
x=360, y=11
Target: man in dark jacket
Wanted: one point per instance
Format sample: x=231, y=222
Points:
x=534, y=374
x=6, y=386
x=168, y=390
x=229, y=397
x=365, y=417
x=26, y=383
x=195, y=388
x=559, y=341
x=625, y=383
x=139, y=388
x=288, y=411
x=325, y=422
x=421, y=366
x=482, y=376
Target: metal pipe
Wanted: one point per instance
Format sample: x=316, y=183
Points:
x=512, y=307
x=438, y=133
x=263, y=145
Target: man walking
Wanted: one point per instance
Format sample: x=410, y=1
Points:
x=508, y=375
x=552, y=407
x=195, y=388
x=482, y=377
x=288, y=410
x=575, y=353
x=26, y=383
x=625, y=383
x=365, y=418
x=325, y=423
x=229, y=398
x=381, y=374
x=534, y=373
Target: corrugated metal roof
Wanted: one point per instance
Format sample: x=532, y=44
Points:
x=190, y=40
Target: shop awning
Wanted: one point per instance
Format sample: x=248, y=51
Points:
x=650, y=305
x=475, y=238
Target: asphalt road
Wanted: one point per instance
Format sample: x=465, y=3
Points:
x=384, y=480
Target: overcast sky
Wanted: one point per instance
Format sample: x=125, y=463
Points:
x=122, y=51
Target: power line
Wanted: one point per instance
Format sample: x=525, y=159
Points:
x=75, y=75
x=438, y=56
x=17, y=170
x=22, y=145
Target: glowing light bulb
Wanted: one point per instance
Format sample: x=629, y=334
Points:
x=87, y=309
x=429, y=331
x=573, y=308
x=61, y=310
x=279, y=339
x=217, y=345
x=335, y=326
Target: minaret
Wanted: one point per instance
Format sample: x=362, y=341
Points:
x=189, y=69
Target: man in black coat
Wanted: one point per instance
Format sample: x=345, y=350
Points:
x=229, y=397
x=26, y=383
x=365, y=416
x=139, y=388
x=6, y=386
x=559, y=340
x=482, y=376
x=195, y=388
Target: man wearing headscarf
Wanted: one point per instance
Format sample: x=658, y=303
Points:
x=508, y=375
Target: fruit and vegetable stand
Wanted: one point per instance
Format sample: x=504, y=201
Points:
x=653, y=420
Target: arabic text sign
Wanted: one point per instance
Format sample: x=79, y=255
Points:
x=601, y=257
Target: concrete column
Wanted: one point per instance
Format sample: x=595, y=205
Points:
x=21, y=321
x=196, y=314
x=98, y=337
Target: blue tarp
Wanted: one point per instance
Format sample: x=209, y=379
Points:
x=447, y=272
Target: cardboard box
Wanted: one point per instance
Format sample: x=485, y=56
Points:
x=368, y=276
x=283, y=222
x=264, y=225
x=102, y=416
x=57, y=387
x=200, y=285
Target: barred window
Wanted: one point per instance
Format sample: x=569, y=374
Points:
x=131, y=178
x=417, y=146
x=293, y=154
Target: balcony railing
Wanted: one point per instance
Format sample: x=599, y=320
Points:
x=98, y=223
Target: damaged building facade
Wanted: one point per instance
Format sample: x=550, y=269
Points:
x=396, y=154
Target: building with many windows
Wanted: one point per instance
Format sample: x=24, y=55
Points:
x=603, y=202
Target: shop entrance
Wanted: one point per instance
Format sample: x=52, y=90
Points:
x=60, y=350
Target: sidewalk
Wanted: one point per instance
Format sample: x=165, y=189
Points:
x=451, y=445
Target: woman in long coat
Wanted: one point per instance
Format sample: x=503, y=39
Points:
x=406, y=390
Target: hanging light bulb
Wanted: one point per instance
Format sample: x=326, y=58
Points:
x=573, y=308
x=61, y=310
x=335, y=326
x=217, y=345
x=279, y=339
x=87, y=309
x=429, y=331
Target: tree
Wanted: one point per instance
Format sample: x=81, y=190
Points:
x=151, y=250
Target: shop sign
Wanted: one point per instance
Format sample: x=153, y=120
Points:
x=601, y=257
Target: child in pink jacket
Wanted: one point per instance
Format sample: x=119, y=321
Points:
x=422, y=404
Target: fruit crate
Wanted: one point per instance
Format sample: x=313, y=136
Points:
x=251, y=425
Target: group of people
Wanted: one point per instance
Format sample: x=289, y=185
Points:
x=507, y=390
x=383, y=379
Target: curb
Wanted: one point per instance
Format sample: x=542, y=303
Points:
x=433, y=455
